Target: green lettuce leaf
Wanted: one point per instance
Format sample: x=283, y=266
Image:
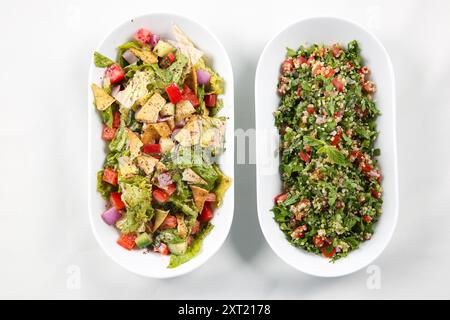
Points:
x=107, y=116
x=101, y=61
x=192, y=250
x=103, y=187
x=137, y=196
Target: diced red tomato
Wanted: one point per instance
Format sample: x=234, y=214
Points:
x=367, y=219
x=311, y=59
x=287, y=66
x=307, y=149
x=167, y=60
x=310, y=109
x=338, y=84
x=360, y=113
x=162, y=249
x=337, y=137
x=190, y=96
x=318, y=241
x=143, y=36
x=110, y=176
x=108, y=133
x=170, y=189
x=160, y=195
x=328, y=72
x=195, y=227
x=211, y=197
x=336, y=50
x=174, y=93
x=207, y=213
x=280, y=198
x=328, y=251
x=365, y=167
x=116, y=120
x=301, y=60
x=299, y=91
x=116, y=200
x=169, y=222
x=304, y=156
x=152, y=148
x=127, y=241
x=210, y=100
x=299, y=232
x=115, y=73
x=375, y=194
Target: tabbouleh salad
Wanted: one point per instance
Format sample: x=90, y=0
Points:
x=159, y=103
x=326, y=119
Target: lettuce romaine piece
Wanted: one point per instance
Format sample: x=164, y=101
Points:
x=222, y=185
x=216, y=82
x=193, y=249
x=137, y=196
x=101, y=61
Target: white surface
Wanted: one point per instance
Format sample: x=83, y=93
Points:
x=45, y=229
x=154, y=265
x=328, y=31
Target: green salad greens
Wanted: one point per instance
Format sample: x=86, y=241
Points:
x=158, y=103
x=331, y=195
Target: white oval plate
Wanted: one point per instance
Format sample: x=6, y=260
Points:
x=154, y=265
x=326, y=30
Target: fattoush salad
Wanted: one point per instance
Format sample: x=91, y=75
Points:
x=159, y=103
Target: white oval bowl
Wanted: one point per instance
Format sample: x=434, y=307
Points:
x=326, y=30
x=155, y=265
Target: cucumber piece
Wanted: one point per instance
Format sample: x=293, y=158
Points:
x=143, y=240
x=162, y=48
x=178, y=248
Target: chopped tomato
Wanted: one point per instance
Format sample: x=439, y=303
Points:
x=318, y=241
x=280, y=198
x=207, y=213
x=365, y=167
x=310, y=109
x=163, y=249
x=167, y=60
x=299, y=232
x=360, y=112
x=301, y=60
x=152, y=148
x=115, y=73
x=307, y=149
x=116, y=120
x=195, y=227
x=190, y=96
x=169, y=222
x=160, y=195
x=311, y=59
x=375, y=194
x=328, y=72
x=304, y=156
x=110, y=176
x=299, y=91
x=338, y=84
x=170, y=189
x=287, y=66
x=108, y=133
x=143, y=36
x=338, y=115
x=337, y=137
x=174, y=93
x=367, y=219
x=116, y=200
x=328, y=251
x=336, y=50
x=127, y=241
x=211, y=197
x=210, y=100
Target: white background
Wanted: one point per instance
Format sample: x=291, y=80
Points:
x=45, y=238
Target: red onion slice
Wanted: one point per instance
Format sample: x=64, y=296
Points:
x=111, y=215
x=203, y=76
x=164, y=179
x=154, y=39
x=129, y=57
